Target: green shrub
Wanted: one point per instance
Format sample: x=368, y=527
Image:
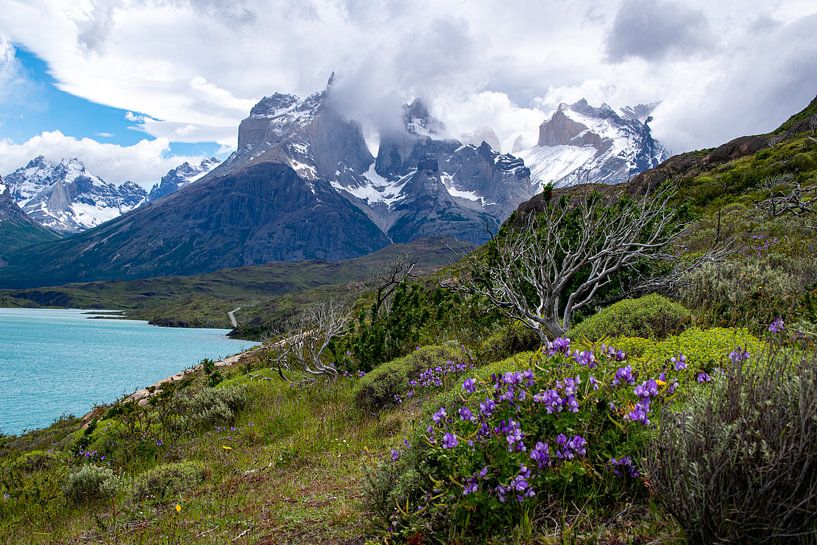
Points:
x=169, y=480
x=377, y=390
x=705, y=349
x=209, y=407
x=506, y=342
x=90, y=483
x=738, y=464
x=36, y=460
x=634, y=347
x=651, y=317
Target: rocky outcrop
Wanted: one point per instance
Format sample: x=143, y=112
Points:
x=181, y=176
x=17, y=230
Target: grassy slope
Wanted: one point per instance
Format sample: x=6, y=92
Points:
x=272, y=290
x=15, y=235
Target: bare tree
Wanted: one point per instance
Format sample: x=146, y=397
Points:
x=555, y=263
x=309, y=335
x=790, y=201
x=385, y=279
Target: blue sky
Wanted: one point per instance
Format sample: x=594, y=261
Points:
x=39, y=105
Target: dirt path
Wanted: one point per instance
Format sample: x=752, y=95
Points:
x=231, y=314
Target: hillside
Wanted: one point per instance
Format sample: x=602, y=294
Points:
x=16, y=229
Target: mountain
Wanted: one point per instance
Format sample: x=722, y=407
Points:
x=422, y=183
x=181, y=176
x=17, y=230
x=584, y=144
x=67, y=198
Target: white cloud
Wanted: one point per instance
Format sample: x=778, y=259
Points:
x=194, y=67
x=144, y=162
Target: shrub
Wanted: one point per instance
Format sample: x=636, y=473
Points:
x=210, y=407
x=652, y=317
x=90, y=483
x=706, y=348
x=36, y=460
x=168, y=480
x=507, y=448
x=739, y=463
x=377, y=390
x=507, y=342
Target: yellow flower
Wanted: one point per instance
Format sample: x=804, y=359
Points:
x=225, y=447
x=660, y=382
x=178, y=508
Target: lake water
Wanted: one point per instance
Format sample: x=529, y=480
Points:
x=56, y=362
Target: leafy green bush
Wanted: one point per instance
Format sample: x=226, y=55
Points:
x=506, y=342
x=36, y=460
x=706, y=349
x=652, y=316
x=377, y=390
x=209, y=407
x=169, y=480
x=524, y=440
x=90, y=483
x=738, y=464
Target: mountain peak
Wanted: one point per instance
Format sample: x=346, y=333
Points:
x=419, y=121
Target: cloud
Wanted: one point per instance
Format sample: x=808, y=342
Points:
x=144, y=162
x=189, y=70
x=654, y=29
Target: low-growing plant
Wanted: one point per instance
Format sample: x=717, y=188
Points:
x=505, y=453
x=388, y=383
x=209, y=407
x=90, y=483
x=36, y=460
x=708, y=348
x=506, y=342
x=738, y=464
x=169, y=480
x=651, y=317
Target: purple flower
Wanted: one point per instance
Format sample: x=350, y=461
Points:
x=738, y=355
x=585, y=357
x=541, y=455
x=560, y=344
x=471, y=486
x=571, y=404
x=777, y=325
x=623, y=375
x=624, y=467
x=159, y=442
x=465, y=414
x=521, y=486
x=361, y=374
x=550, y=399
x=647, y=389
x=569, y=385
x=680, y=362
x=640, y=412
x=513, y=435
x=570, y=448
x=487, y=407
x=439, y=416
x=593, y=382
x=703, y=377
x=469, y=385
x=395, y=455
x=450, y=440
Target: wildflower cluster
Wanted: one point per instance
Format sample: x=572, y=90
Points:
x=435, y=377
x=570, y=423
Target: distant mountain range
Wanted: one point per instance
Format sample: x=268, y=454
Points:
x=303, y=184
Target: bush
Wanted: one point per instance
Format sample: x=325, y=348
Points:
x=169, y=480
x=210, y=407
x=90, y=483
x=522, y=441
x=377, y=390
x=651, y=317
x=506, y=342
x=739, y=463
x=708, y=349
x=36, y=460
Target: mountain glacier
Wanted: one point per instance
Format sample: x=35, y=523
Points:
x=583, y=144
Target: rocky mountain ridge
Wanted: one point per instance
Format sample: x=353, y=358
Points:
x=181, y=176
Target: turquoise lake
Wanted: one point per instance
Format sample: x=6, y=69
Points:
x=57, y=362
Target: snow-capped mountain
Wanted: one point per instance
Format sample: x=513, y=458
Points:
x=67, y=198
x=181, y=176
x=584, y=144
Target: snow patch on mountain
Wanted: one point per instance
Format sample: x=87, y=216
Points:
x=181, y=176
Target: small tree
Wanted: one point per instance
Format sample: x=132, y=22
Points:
x=386, y=278
x=310, y=334
x=553, y=263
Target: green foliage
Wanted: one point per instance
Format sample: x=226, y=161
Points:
x=36, y=460
x=377, y=390
x=652, y=316
x=506, y=342
x=738, y=463
x=210, y=369
x=706, y=349
x=90, y=483
x=209, y=407
x=168, y=481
